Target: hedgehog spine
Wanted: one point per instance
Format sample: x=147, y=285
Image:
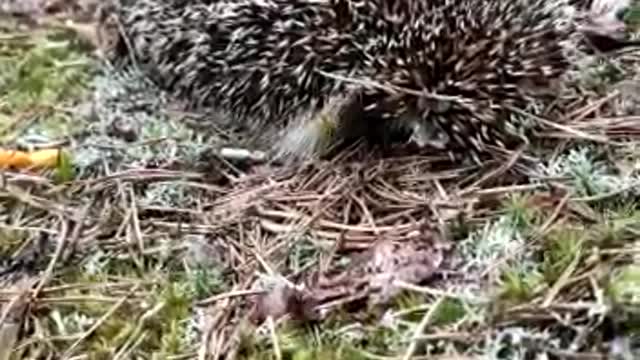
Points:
x=259, y=61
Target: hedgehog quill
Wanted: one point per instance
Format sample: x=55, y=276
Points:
x=305, y=75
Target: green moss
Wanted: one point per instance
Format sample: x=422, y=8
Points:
x=206, y=282
x=407, y=301
x=177, y=299
x=161, y=324
x=624, y=285
x=616, y=229
x=518, y=285
x=41, y=74
x=112, y=334
x=327, y=341
x=158, y=324
x=47, y=72
x=560, y=249
x=449, y=312
x=519, y=212
x=64, y=171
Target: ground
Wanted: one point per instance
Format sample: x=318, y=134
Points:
x=144, y=240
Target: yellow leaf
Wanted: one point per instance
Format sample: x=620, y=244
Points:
x=45, y=158
x=14, y=159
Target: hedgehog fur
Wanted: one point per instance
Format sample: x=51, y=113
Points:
x=323, y=71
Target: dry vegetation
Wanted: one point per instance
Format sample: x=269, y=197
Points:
x=148, y=241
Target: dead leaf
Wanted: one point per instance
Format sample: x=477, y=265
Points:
x=412, y=262
x=375, y=272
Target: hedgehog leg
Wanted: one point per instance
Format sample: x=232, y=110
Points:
x=407, y=128
x=363, y=119
x=317, y=132
x=385, y=133
x=342, y=121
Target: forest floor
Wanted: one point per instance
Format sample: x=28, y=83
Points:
x=144, y=239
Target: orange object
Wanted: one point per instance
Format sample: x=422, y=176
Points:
x=45, y=158
x=22, y=160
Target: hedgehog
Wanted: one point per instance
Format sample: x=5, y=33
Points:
x=302, y=76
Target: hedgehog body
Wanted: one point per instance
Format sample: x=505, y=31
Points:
x=335, y=69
